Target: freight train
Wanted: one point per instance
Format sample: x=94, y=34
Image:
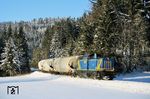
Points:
x=82, y=66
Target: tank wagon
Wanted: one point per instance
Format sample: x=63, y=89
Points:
x=82, y=66
x=65, y=65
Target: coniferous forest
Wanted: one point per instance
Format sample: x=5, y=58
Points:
x=119, y=28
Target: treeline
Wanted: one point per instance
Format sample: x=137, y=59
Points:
x=14, y=52
x=112, y=28
x=17, y=43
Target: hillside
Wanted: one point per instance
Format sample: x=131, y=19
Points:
x=38, y=85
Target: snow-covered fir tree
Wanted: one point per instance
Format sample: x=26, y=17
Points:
x=22, y=50
x=56, y=49
x=15, y=54
x=9, y=63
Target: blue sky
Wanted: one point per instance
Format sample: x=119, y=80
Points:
x=16, y=10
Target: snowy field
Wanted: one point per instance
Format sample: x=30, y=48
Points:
x=38, y=85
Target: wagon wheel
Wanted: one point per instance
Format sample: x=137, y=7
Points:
x=99, y=75
x=83, y=74
x=111, y=77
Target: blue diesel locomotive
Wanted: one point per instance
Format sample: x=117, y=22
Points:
x=97, y=67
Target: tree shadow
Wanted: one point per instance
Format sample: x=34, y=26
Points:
x=134, y=77
x=28, y=79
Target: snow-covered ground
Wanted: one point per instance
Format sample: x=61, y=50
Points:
x=38, y=85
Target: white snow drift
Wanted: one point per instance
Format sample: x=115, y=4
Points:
x=38, y=85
